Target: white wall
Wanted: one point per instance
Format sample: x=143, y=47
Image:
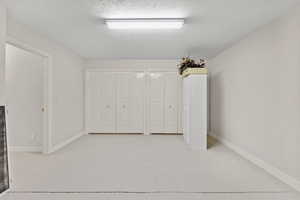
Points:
x=133, y=64
x=67, y=82
x=255, y=94
x=2, y=51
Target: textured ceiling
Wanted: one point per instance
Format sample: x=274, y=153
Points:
x=211, y=25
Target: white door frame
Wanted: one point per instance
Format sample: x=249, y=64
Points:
x=47, y=91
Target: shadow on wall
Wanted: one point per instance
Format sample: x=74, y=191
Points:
x=217, y=121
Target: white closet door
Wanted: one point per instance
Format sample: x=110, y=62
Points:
x=164, y=102
x=130, y=102
x=156, y=111
x=101, y=115
x=123, y=101
x=137, y=102
x=171, y=102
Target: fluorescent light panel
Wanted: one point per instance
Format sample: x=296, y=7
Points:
x=144, y=23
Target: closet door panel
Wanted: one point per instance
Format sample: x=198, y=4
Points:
x=130, y=102
x=137, y=101
x=180, y=105
x=123, y=100
x=106, y=102
x=101, y=101
x=156, y=102
x=171, y=102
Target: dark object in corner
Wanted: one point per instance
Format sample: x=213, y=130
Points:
x=4, y=176
x=190, y=63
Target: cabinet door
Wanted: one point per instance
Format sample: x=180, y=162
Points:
x=156, y=101
x=130, y=102
x=101, y=116
x=171, y=102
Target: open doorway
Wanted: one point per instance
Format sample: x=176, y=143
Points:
x=26, y=98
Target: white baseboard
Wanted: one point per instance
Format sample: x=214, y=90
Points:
x=65, y=143
x=287, y=179
x=25, y=148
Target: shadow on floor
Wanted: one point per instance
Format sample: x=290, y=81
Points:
x=212, y=142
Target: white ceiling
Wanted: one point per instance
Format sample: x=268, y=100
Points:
x=211, y=26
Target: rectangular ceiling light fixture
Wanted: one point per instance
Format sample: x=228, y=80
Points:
x=144, y=23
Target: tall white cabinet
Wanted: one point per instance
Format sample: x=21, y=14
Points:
x=133, y=102
x=195, y=110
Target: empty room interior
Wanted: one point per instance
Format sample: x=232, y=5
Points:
x=150, y=99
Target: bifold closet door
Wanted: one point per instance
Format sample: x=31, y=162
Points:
x=130, y=102
x=115, y=102
x=171, y=102
x=156, y=96
x=101, y=102
x=164, y=102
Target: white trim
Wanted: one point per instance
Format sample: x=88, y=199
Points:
x=66, y=142
x=294, y=183
x=25, y=149
x=84, y=99
x=47, y=90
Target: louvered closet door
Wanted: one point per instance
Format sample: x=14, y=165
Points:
x=101, y=114
x=130, y=102
x=171, y=102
